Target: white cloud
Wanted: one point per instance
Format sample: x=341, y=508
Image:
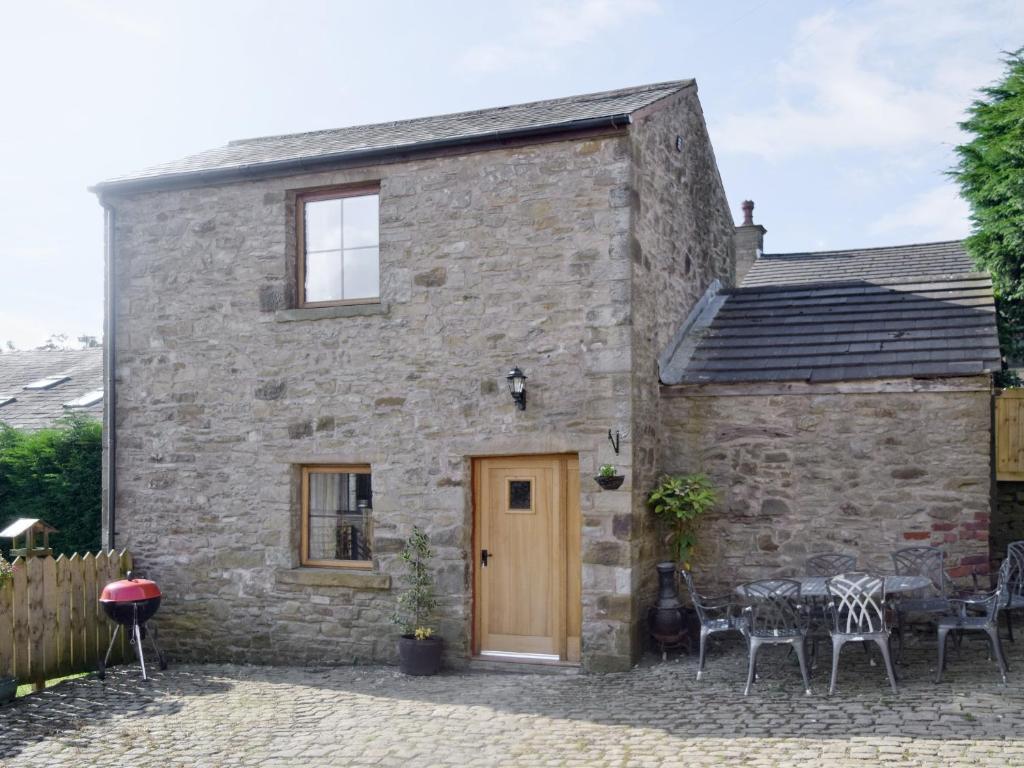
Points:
x=937, y=214
x=551, y=28
x=883, y=76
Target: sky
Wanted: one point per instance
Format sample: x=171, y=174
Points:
x=838, y=119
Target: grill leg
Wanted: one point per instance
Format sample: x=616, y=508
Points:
x=138, y=648
x=113, y=639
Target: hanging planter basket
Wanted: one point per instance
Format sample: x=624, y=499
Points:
x=610, y=482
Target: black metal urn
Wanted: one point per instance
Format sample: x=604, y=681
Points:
x=667, y=617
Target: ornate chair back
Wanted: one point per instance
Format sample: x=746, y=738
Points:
x=773, y=607
x=830, y=564
x=923, y=561
x=857, y=603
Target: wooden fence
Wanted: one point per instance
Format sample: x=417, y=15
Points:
x=1009, y=425
x=51, y=623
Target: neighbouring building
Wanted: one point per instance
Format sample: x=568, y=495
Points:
x=41, y=386
x=842, y=402
x=310, y=336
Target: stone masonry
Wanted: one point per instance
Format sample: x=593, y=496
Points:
x=573, y=259
x=818, y=471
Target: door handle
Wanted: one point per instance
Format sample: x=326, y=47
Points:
x=485, y=556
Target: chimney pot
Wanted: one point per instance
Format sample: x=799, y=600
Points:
x=748, y=213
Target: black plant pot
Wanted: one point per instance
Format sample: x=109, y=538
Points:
x=419, y=657
x=8, y=688
x=610, y=483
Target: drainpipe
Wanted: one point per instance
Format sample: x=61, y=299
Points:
x=109, y=393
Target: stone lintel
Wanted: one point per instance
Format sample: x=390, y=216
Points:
x=334, y=577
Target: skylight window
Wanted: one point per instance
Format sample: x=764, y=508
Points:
x=89, y=398
x=48, y=383
x=6, y=400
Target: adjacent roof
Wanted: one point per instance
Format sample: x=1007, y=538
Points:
x=906, y=311
x=302, y=150
x=894, y=262
x=39, y=408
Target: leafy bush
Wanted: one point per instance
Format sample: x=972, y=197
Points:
x=55, y=475
x=679, y=500
x=417, y=602
x=991, y=176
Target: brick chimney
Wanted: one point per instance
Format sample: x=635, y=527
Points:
x=748, y=241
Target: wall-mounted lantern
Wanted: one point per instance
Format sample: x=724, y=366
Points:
x=517, y=387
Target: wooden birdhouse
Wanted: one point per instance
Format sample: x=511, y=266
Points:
x=29, y=530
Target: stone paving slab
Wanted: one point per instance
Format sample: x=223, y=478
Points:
x=656, y=715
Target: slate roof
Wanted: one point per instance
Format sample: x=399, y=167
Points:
x=304, y=149
x=36, y=409
x=893, y=262
x=907, y=311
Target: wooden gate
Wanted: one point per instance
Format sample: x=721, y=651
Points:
x=51, y=623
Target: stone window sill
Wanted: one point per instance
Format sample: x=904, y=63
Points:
x=334, y=577
x=330, y=313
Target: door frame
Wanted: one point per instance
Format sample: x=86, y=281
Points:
x=572, y=574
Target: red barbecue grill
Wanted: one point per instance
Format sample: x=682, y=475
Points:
x=131, y=603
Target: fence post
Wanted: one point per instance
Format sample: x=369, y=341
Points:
x=7, y=628
x=62, y=585
x=19, y=601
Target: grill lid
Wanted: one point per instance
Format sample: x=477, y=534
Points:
x=129, y=590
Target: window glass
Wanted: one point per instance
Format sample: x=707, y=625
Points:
x=342, y=256
x=338, y=516
x=361, y=222
x=323, y=225
x=323, y=276
x=362, y=273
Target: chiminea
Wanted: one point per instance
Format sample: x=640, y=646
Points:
x=667, y=617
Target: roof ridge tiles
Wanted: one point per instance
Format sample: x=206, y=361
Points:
x=678, y=85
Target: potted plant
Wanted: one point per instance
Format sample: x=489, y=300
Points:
x=419, y=651
x=607, y=477
x=8, y=685
x=677, y=500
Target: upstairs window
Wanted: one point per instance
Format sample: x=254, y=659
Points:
x=339, y=247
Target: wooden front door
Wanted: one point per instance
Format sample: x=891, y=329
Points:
x=527, y=533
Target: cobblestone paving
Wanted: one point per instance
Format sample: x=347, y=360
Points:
x=656, y=715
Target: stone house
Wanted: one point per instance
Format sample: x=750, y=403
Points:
x=311, y=335
x=842, y=401
x=308, y=338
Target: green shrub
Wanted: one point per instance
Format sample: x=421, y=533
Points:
x=678, y=500
x=55, y=475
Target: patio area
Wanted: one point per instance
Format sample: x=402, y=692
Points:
x=654, y=715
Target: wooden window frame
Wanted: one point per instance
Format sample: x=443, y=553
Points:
x=325, y=469
x=317, y=195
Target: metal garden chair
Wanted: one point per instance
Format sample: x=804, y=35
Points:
x=716, y=615
x=1015, y=587
x=933, y=601
x=826, y=564
x=830, y=564
x=775, y=616
x=989, y=605
x=857, y=609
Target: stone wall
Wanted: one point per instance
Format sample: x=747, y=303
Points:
x=827, y=471
x=681, y=242
x=514, y=256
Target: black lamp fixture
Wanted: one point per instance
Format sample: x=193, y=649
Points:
x=517, y=387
